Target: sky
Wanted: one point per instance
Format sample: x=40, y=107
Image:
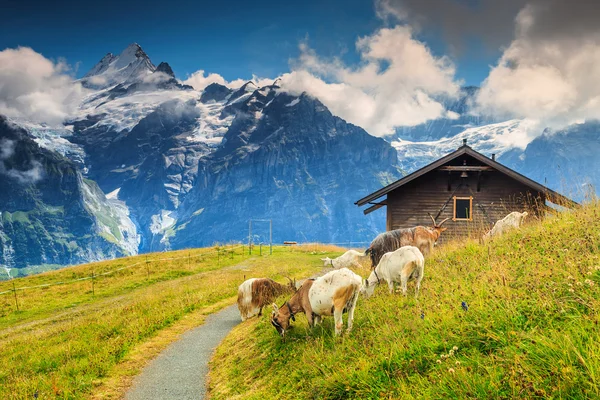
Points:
x=236, y=39
x=379, y=64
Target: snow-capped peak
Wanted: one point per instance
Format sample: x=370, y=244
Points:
x=132, y=65
x=131, y=54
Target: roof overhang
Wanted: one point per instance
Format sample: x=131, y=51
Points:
x=551, y=195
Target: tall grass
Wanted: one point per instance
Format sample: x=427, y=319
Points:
x=516, y=318
x=67, y=342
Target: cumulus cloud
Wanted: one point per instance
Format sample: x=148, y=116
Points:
x=35, y=88
x=28, y=176
x=398, y=83
x=550, y=70
x=198, y=80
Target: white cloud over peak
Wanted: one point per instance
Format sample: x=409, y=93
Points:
x=35, y=88
x=398, y=82
x=198, y=80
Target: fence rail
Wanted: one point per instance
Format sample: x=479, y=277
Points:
x=94, y=275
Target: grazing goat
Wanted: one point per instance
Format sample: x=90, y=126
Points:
x=405, y=264
x=255, y=293
x=346, y=260
x=419, y=236
x=331, y=294
x=511, y=221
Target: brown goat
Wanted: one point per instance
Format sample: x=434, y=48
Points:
x=421, y=237
x=255, y=293
x=299, y=303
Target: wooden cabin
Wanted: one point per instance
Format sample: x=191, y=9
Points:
x=473, y=190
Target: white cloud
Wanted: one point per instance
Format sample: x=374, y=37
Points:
x=399, y=82
x=552, y=77
x=29, y=176
x=199, y=81
x=156, y=78
x=35, y=88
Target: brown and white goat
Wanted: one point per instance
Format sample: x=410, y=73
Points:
x=421, y=237
x=255, y=293
x=331, y=294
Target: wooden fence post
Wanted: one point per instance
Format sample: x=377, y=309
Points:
x=15, y=293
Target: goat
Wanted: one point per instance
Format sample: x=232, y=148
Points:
x=421, y=237
x=402, y=265
x=331, y=294
x=511, y=221
x=255, y=293
x=346, y=260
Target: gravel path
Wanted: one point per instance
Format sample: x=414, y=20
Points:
x=180, y=371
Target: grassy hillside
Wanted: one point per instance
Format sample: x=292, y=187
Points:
x=529, y=329
x=74, y=337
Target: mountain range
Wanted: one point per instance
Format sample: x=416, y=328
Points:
x=148, y=164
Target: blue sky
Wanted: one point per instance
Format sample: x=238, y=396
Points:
x=235, y=39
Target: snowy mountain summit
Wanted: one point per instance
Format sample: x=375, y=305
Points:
x=132, y=65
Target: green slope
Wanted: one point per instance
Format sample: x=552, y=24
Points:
x=530, y=330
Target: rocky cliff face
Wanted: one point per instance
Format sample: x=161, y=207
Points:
x=287, y=159
x=50, y=214
x=193, y=172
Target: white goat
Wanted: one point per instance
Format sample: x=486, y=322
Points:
x=511, y=221
x=347, y=260
x=406, y=263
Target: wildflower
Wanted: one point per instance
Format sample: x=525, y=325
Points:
x=457, y=363
x=570, y=277
x=571, y=290
x=451, y=370
x=589, y=272
x=464, y=306
x=439, y=361
x=597, y=267
x=455, y=348
x=579, y=284
x=451, y=352
x=443, y=356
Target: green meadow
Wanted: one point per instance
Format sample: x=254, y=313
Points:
x=77, y=337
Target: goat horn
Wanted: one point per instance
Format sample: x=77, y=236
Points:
x=432, y=220
x=440, y=224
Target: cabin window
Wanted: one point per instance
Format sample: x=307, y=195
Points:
x=463, y=207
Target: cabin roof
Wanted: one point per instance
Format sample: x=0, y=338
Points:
x=464, y=149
